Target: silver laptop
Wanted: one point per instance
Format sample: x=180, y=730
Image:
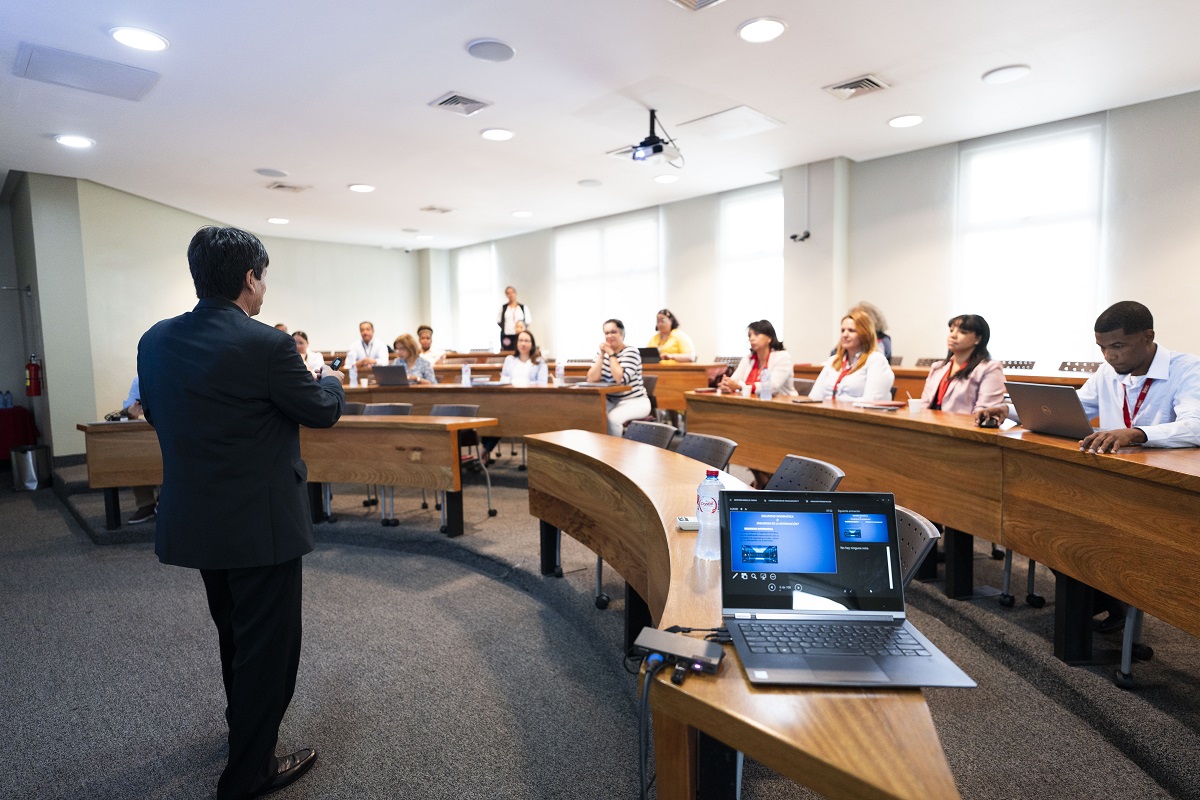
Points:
x=1050, y=408
x=396, y=375
x=812, y=592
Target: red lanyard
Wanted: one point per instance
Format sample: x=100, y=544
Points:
x=945, y=384
x=845, y=371
x=1137, y=406
x=752, y=377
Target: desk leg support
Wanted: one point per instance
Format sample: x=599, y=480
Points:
x=674, y=756
x=1072, y=620
x=960, y=563
x=637, y=616
x=316, y=502
x=112, y=508
x=551, y=539
x=454, y=514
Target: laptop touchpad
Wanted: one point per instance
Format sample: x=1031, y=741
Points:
x=846, y=669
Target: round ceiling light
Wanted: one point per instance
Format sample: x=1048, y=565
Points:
x=269, y=172
x=761, y=30
x=489, y=50
x=361, y=188
x=496, y=134
x=71, y=140
x=522, y=214
x=906, y=121
x=665, y=178
x=590, y=183
x=139, y=39
x=1013, y=72
x=424, y=237
x=278, y=220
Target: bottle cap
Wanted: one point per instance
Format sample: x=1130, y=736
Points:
x=712, y=473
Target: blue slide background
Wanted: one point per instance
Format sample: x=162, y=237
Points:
x=872, y=526
x=806, y=541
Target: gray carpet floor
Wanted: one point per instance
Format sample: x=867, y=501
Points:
x=449, y=668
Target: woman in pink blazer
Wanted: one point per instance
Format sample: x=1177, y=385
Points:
x=967, y=380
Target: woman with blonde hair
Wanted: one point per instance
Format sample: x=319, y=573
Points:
x=857, y=370
x=408, y=353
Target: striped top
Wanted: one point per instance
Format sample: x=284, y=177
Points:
x=631, y=366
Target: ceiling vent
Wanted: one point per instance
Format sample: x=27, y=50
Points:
x=280, y=186
x=460, y=104
x=855, y=87
x=48, y=65
x=437, y=210
x=695, y=5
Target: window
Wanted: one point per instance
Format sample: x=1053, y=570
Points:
x=479, y=298
x=750, y=265
x=1028, y=244
x=603, y=269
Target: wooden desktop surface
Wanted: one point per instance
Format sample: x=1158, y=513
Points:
x=621, y=498
x=1127, y=524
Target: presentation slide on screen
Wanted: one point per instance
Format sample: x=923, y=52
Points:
x=863, y=528
x=763, y=541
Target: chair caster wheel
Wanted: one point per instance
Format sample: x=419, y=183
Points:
x=1123, y=679
x=437, y=506
x=374, y=501
x=558, y=573
x=602, y=601
x=521, y=468
x=395, y=523
x=1142, y=652
x=997, y=554
x=385, y=522
x=331, y=519
x=1007, y=600
x=424, y=506
x=1035, y=600
x=444, y=529
x=492, y=512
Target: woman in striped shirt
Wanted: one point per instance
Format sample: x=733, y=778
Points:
x=620, y=364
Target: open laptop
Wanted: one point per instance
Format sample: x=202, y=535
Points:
x=813, y=594
x=1050, y=408
x=650, y=355
x=396, y=375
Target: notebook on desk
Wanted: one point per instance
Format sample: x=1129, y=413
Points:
x=396, y=375
x=1050, y=408
x=812, y=592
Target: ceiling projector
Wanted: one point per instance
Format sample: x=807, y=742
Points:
x=653, y=149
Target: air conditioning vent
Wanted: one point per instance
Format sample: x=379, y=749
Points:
x=437, y=210
x=280, y=186
x=856, y=87
x=460, y=104
x=695, y=5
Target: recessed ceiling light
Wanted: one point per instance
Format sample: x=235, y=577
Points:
x=424, y=237
x=907, y=121
x=139, y=39
x=362, y=187
x=278, y=220
x=489, y=50
x=268, y=172
x=522, y=214
x=761, y=30
x=71, y=140
x=665, y=178
x=590, y=183
x=496, y=134
x=1013, y=72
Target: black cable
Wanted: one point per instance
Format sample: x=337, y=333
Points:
x=654, y=663
x=681, y=629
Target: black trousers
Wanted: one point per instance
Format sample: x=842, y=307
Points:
x=257, y=614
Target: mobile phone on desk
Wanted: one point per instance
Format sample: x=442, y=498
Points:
x=806, y=399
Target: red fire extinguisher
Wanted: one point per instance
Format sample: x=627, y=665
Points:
x=33, y=377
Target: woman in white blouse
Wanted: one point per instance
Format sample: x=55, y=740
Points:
x=311, y=358
x=856, y=371
x=766, y=355
x=526, y=367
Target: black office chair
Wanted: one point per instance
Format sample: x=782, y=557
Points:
x=469, y=439
x=918, y=537
x=803, y=474
x=803, y=385
x=712, y=450
x=387, y=509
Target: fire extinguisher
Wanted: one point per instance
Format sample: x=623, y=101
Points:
x=33, y=377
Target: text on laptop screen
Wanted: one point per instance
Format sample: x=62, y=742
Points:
x=810, y=551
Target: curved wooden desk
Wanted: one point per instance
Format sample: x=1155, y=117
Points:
x=621, y=498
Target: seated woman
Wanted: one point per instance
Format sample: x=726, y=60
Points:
x=408, y=353
x=766, y=355
x=857, y=370
x=968, y=380
x=882, y=341
x=621, y=364
x=526, y=367
x=312, y=359
x=672, y=343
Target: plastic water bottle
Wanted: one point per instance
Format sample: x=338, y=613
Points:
x=560, y=372
x=708, y=541
x=353, y=375
x=466, y=375
x=765, y=390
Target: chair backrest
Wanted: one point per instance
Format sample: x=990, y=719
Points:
x=650, y=382
x=1017, y=364
x=1079, y=366
x=655, y=433
x=803, y=385
x=712, y=450
x=928, y=361
x=387, y=409
x=354, y=409
x=804, y=474
x=729, y=361
x=894, y=392
x=917, y=539
x=454, y=410
x=896, y=361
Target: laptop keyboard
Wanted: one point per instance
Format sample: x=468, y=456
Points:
x=832, y=639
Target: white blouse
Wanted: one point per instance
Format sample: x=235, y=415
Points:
x=872, y=382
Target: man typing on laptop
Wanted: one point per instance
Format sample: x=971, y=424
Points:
x=1144, y=394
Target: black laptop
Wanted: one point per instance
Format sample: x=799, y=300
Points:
x=812, y=592
x=396, y=375
x=650, y=355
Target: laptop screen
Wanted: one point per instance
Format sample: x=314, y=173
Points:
x=810, y=551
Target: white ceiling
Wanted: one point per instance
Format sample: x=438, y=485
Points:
x=337, y=93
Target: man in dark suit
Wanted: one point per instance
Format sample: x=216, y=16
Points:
x=227, y=395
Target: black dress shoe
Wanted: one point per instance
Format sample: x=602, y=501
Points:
x=1113, y=622
x=290, y=768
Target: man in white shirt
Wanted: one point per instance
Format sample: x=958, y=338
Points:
x=368, y=351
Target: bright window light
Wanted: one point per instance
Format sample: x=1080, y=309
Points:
x=749, y=257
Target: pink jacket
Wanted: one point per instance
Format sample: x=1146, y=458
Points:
x=983, y=387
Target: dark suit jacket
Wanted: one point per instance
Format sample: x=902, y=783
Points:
x=227, y=395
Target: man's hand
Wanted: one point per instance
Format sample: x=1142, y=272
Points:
x=329, y=372
x=998, y=413
x=1112, y=441
x=135, y=410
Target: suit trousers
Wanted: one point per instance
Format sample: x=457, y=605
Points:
x=257, y=614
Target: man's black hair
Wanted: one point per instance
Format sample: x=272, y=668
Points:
x=1128, y=316
x=219, y=259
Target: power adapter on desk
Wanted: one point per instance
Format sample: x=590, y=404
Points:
x=686, y=653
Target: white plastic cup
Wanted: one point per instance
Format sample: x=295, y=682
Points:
x=363, y=382
x=746, y=390
x=914, y=405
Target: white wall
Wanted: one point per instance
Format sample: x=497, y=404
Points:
x=12, y=335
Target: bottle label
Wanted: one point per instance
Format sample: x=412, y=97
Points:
x=706, y=505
